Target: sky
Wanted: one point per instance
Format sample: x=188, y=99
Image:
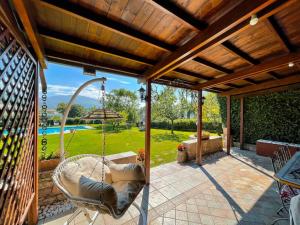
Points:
x=64, y=80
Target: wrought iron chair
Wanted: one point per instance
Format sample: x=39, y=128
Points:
x=279, y=159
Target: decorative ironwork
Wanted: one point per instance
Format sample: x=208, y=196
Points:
x=17, y=127
x=44, y=124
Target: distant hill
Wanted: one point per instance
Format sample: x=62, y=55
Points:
x=86, y=102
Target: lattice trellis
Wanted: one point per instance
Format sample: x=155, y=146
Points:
x=17, y=128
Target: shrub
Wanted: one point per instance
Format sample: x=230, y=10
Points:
x=187, y=125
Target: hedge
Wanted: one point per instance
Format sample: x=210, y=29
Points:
x=273, y=116
x=187, y=125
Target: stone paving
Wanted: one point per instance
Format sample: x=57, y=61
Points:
x=226, y=190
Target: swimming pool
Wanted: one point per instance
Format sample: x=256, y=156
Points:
x=56, y=130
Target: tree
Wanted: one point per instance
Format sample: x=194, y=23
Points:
x=61, y=107
x=211, y=108
x=124, y=102
x=75, y=111
x=166, y=106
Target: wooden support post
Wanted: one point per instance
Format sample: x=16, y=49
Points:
x=148, y=131
x=199, y=129
x=242, y=123
x=228, y=138
x=33, y=210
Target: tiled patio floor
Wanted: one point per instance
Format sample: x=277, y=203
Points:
x=236, y=189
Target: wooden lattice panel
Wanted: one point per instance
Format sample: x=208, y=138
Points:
x=17, y=126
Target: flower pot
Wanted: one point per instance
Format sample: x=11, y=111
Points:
x=46, y=165
x=181, y=156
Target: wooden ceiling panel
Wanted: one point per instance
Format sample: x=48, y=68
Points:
x=197, y=68
x=289, y=19
x=258, y=41
x=222, y=57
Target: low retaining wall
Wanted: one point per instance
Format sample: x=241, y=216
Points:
x=267, y=148
x=49, y=194
x=212, y=145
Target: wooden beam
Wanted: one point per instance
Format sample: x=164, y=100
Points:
x=148, y=131
x=239, y=53
x=282, y=38
x=263, y=86
x=180, y=14
x=264, y=67
x=76, y=11
x=212, y=65
x=25, y=16
x=53, y=35
x=228, y=122
x=84, y=14
x=71, y=40
x=216, y=32
x=242, y=123
x=199, y=129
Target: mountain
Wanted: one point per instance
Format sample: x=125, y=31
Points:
x=86, y=102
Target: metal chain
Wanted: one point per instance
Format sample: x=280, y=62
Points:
x=44, y=122
x=103, y=129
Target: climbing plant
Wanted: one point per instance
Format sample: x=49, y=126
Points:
x=272, y=116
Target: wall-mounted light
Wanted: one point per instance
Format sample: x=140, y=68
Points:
x=291, y=64
x=143, y=96
x=202, y=100
x=254, y=20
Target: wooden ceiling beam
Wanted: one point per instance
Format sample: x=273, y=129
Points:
x=25, y=16
x=179, y=13
x=233, y=22
x=71, y=40
x=100, y=20
x=265, y=85
x=264, y=67
x=76, y=11
x=282, y=38
x=48, y=34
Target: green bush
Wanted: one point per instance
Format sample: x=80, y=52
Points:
x=187, y=125
x=273, y=116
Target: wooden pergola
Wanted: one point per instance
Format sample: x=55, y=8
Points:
x=198, y=45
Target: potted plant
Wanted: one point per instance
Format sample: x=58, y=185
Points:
x=48, y=162
x=181, y=153
x=141, y=156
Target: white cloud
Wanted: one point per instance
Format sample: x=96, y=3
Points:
x=90, y=91
x=117, y=80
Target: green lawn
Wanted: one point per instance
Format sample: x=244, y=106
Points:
x=163, y=143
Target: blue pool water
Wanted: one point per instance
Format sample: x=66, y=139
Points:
x=56, y=130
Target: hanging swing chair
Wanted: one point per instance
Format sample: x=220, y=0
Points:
x=91, y=181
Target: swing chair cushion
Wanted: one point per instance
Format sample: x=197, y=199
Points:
x=126, y=172
x=88, y=167
x=98, y=191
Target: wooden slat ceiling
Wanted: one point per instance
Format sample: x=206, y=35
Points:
x=140, y=37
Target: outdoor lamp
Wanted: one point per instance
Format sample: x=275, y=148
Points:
x=202, y=100
x=142, y=94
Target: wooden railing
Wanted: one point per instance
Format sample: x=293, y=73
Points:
x=18, y=73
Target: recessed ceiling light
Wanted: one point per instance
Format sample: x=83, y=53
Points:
x=291, y=64
x=253, y=20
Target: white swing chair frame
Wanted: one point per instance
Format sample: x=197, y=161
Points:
x=82, y=203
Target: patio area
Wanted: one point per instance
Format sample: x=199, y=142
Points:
x=236, y=189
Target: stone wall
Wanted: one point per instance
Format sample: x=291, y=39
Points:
x=212, y=145
x=48, y=193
